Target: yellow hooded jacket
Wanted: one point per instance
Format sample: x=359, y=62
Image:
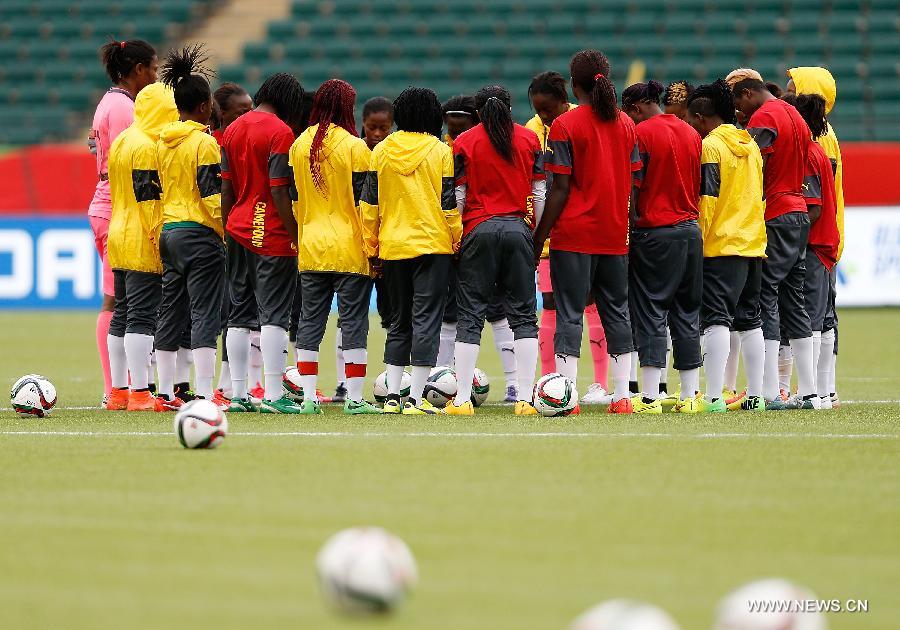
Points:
x=409, y=201
x=815, y=80
x=330, y=228
x=732, y=210
x=134, y=183
x=190, y=175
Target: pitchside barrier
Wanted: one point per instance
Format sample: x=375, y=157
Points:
x=50, y=262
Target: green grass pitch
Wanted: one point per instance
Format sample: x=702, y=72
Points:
x=515, y=523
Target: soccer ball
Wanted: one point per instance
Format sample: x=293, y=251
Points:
x=366, y=570
x=441, y=386
x=734, y=611
x=290, y=381
x=480, y=388
x=380, y=388
x=555, y=395
x=623, y=614
x=200, y=424
x=33, y=395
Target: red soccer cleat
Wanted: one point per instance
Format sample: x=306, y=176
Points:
x=621, y=406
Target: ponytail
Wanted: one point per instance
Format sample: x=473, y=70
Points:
x=648, y=92
x=493, y=104
x=120, y=58
x=186, y=73
x=590, y=72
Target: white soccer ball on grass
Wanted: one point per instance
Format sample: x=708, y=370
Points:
x=441, y=386
x=481, y=387
x=200, y=424
x=624, y=614
x=743, y=608
x=33, y=396
x=555, y=395
x=380, y=388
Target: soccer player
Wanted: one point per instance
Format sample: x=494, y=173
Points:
x=330, y=163
x=783, y=138
x=133, y=246
x=666, y=249
x=131, y=66
x=377, y=120
x=191, y=245
x=594, y=153
x=675, y=98
x=411, y=227
x=256, y=208
x=232, y=102
x=550, y=99
x=734, y=242
x=498, y=167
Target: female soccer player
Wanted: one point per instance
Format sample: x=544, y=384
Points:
x=549, y=99
x=498, y=167
x=377, y=120
x=411, y=227
x=666, y=248
x=594, y=153
x=675, y=98
x=233, y=102
x=734, y=242
x=131, y=66
x=330, y=163
x=191, y=245
x=256, y=207
x=460, y=115
x=133, y=246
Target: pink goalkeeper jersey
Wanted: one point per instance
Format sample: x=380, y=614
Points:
x=114, y=114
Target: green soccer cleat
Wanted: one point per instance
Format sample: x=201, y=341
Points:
x=283, y=405
x=753, y=403
x=775, y=405
x=361, y=408
x=241, y=405
x=310, y=408
x=716, y=406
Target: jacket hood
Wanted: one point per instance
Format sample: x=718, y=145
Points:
x=815, y=80
x=177, y=132
x=738, y=141
x=405, y=150
x=154, y=108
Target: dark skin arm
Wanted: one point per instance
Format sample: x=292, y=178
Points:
x=227, y=200
x=556, y=201
x=633, y=204
x=814, y=213
x=282, y=198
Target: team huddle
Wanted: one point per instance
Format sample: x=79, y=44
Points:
x=698, y=222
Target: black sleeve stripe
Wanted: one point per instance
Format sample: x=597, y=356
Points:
x=146, y=185
x=710, y=180
x=764, y=136
x=538, y=168
x=459, y=166
x=279, y=168
x=359, y=182
x=370, y=189
x=812, y=187
x=560, y=153
x=209, y=180
x=448, y=193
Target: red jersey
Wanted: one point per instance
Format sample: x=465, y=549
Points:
x=669, y=179
x=783, y=139
x=600, y=156
x=254, y=159
x=818, y=190
x=219, y=135
x=494, y=186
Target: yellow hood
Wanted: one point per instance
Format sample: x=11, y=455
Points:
x=737, y=140
x=405, y=150
x=154, y=108
x=815, y=80
x=177, y=132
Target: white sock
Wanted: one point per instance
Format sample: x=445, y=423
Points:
x=446, y=345
x=734, y=361
x=621, y=371
x=255, y=365
x=753, y=351
x=718, y=346
x=664, y=373
x=273, y=343
x=239, y=358
x=823, y=368
x=356, y=357
x=817, y=347
x=183, y=361
x=136, y=353
x=785, y=367
x=650, y=379
x=339, y=362
x=204, y=371
x=118, y=364
x=527, y=351
x=466, y=356
x=417, y=384
x=394, y=378
x=308, y=382
x=690, y=382
x=151, y=361
x=166, y=362
x=567, y=365
x=770, y=370
x=833, y=375
x=806, y=372
x=635, y=361
x=225, y=379
x=504, y=341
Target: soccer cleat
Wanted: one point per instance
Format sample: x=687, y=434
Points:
x=596, y=395
x=307, y=408
x=392, y=406
x=423, y=408
x=283, y=405
x=512, y=394
x=104, y=401
x=525, y=408
x=163, y=403
x=835, y=401
x=639, y=406
x=141, y=401
x=340, y=394
x=620, y=406
x=184, y=393
x=240, y=405
x=361, y=408
x=221, y=399
x=465, y=409
x=733, y=399
x=258, y=392
x=713, y=406
x=825, y=403
x=784, y=394
x=690, y=405
x=753, y=403
x=669, y=401
x=775, y=405
x=118, y=399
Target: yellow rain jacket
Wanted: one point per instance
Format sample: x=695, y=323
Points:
x=134, y=183
x=409, y=200
x=732, y=210
x=814, y=80
x=330, y=229
x=190, y=175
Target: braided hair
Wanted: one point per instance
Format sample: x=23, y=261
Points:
x=120, y=58
x=677, y=93
x=590, y=72
x=332, y=105
x=186, y=73
x=812, y=110
x=550, y=83
x=493, y=103
x=285, y=94
x=713, y=99
x=648, y=92
x=418, y=109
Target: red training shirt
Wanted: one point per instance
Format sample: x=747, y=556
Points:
x=783, y=139
x=494, y=186
x=600, y=156
x=254, y=159
x=219, y=135
x=669, y=179
x=818, y=190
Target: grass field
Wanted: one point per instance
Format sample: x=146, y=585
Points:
x=516, y=523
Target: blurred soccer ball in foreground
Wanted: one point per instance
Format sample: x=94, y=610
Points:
x=624, y=614
x=740, y=610
x=200, y=424
x=33, y=395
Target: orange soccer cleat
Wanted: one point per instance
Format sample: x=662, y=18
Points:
x=141, y=401
x=118, y=399
x=621, y=406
